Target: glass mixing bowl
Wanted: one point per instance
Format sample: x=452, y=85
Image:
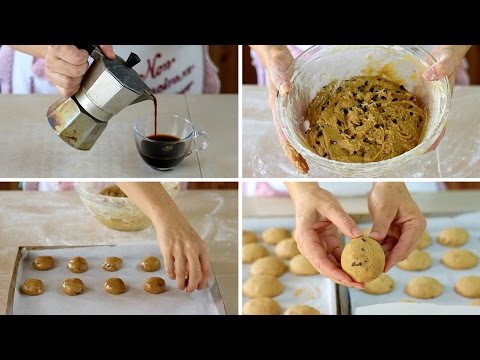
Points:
x=318, y=66
x=118, y=213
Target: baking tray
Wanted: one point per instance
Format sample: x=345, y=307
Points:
x=351, y=299
x=315, y=290
x=95, y=300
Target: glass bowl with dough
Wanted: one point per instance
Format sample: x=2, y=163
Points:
x=332, y=69
x=107, y=203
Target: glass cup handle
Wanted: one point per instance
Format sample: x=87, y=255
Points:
x=201, y=140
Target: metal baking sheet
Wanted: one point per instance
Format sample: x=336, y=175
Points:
x=446, y=276
x=95, y=300
x=316, y=290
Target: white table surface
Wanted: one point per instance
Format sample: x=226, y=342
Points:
x=59, y=218
x=457, y=156
x=31, y=149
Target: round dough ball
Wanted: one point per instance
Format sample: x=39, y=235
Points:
x=301, y=310
x=468, y=286
x=416, y=261
x=262, y=286
x=300, y=265
x=475, y=302
x=112, y=264
x=459, y=259
x=381, y=285
x=452, y=237
x=32, y=287
x=252, y=252
x=424, y=288
x=275, y=234
x=155, y=285
x=115, y=286
x=261, y=306
x=248, y=237
x=287, y=248
x=269, y=265
x=73, y=287
x=363, y=259
x=424, y=241
x=77, y=265
x=43, y=263
x=150, y=264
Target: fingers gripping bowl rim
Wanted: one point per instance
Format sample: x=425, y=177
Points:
x=318, y=66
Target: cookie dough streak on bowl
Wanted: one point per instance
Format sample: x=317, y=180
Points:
x=364, y=119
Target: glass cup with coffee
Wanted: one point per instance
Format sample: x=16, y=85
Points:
x=164, y=144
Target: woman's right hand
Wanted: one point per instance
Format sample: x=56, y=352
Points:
x=277, y=59
x=65, y=66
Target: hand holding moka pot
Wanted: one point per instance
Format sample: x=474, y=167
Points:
x=106, y=89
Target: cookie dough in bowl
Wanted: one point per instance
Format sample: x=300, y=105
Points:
x=330, y=68
x=363, y=259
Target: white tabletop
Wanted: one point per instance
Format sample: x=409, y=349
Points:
x=457, y=156
x=59, y=218
x=31, y=149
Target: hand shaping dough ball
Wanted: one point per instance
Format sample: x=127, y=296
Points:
x=43, y=263
x=252, y=252
x=381, y=285
x=424, y=241
x=155, y=285
x=262, y=286
x=32, y=287
x=261, y=306
x=77, y=265
x=112, y=264
x=468, y=286
x=300, y=265
x=301, y=310
x=269, y=265
x=115, y=286
x=150, y=264
x=73, y=287
x=459, y=259
x=452, y=237
x=416, y=261
x=363, y=259
x=248, y=237
x=287, y=248
x=475, y=302
x=275, y=235
x=424, y=288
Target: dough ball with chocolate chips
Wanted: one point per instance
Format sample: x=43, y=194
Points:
x=112, y=263
x=363, y=259
x=115, y=286
x=43, y=263
x=155, y=285
x=32, y=287
x=73, y=287
x=77, y=265
x=150, y=264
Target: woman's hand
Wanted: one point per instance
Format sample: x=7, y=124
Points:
x=184, y=252
x=277, y=59
x=65, y=66
x=318, y=217
x=397, y=221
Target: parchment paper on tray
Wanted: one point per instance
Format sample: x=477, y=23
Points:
x=95, y=300
x=316, y=290
x=447, y=277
